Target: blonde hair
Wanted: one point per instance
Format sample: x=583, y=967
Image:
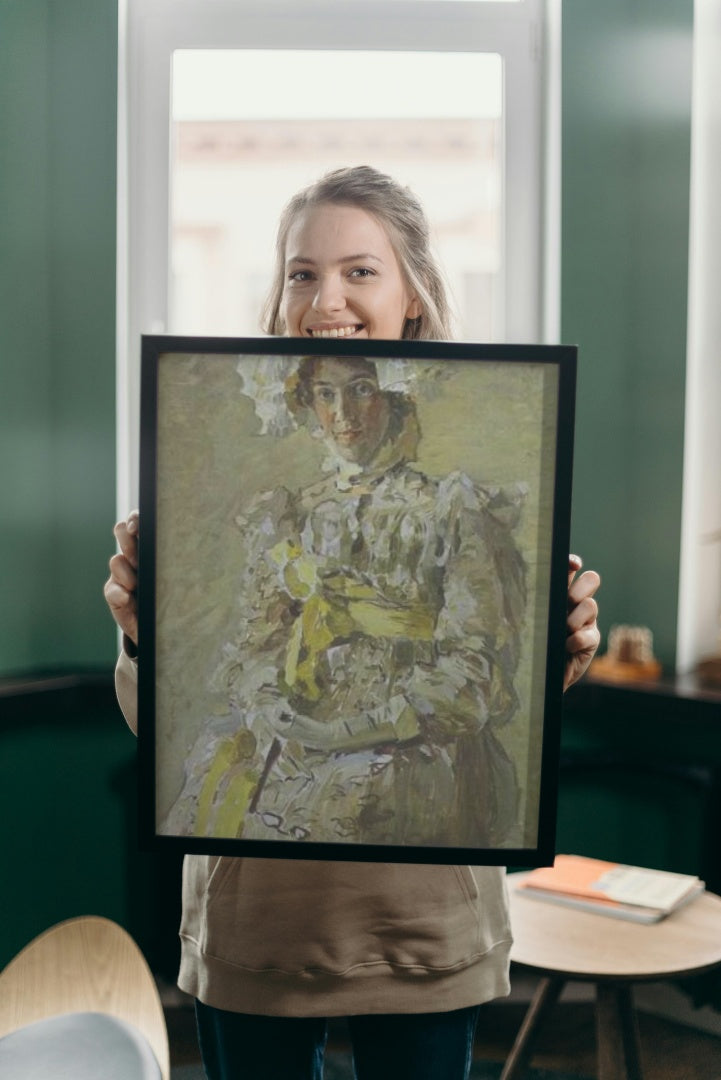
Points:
x=403, y=217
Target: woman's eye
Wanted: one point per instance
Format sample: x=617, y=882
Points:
x=299, y=276
x=323, y=394
x=364, y=389
x=362, y=272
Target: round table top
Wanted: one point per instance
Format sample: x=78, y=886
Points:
x=559, y=940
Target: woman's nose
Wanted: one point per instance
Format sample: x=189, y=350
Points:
x=329, y=295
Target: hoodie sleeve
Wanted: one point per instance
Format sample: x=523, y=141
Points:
x=126, y=688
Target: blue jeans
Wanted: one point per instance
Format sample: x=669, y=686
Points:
x=414, y=1046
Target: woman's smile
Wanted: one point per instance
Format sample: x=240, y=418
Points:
x=335, y=331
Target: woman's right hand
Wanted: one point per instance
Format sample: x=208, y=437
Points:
x=121, y=587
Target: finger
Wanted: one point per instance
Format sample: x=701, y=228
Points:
x=584, y=613
x=583, y=641
x=122, y=572
x=585, y=585
x=118, y=598
x=126, y=534
x=575, y=562
x=123, y=608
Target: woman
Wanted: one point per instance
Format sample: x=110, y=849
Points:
x=271, y=948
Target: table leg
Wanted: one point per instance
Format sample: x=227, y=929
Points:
x=545, y=997
x=617, y=1033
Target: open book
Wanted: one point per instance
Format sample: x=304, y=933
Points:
x=608, y=888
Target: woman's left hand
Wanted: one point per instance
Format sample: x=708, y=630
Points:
x=582, y=633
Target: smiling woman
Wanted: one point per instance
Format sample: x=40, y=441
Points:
x=337, y=258
x=369, y=669
x=353, y=259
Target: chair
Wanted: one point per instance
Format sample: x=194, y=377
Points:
x=80, y=1002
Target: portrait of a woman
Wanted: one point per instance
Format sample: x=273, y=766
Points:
x=377, y=642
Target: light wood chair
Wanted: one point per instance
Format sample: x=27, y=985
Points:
x=87, y=965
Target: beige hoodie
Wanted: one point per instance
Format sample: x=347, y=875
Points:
x=286, y=937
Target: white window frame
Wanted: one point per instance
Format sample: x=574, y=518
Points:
x=699, y=597
x=526, y=34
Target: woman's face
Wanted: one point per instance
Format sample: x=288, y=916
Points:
x=352, y=410
x=342, y=277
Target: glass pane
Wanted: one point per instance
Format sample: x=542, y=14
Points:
x=250, y=128
x=454, y=1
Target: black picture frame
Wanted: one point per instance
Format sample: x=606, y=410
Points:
x=362, y=659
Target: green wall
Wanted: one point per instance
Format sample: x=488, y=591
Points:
x=68, y=803
x=58, y=72
x=67, y=772
x=626, y=145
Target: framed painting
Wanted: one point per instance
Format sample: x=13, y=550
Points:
x=352, y=597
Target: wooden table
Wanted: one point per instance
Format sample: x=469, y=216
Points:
x=563, y=944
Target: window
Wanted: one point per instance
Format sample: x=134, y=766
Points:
x=236, y=160
x=227, y=107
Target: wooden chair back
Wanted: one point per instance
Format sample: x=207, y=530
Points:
x=87, y=964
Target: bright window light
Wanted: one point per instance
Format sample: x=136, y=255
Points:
x=239, y=154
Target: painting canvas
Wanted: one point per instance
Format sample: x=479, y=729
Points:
x=352, y=594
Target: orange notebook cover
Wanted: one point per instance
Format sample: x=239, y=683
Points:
x=610, y=883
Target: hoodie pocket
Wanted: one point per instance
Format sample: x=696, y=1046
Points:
x=303, y=916
x=468, y=884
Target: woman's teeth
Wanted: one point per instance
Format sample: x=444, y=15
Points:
x=336, y=332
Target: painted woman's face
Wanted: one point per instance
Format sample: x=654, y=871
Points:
x=352, y=410
x=342, y=277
